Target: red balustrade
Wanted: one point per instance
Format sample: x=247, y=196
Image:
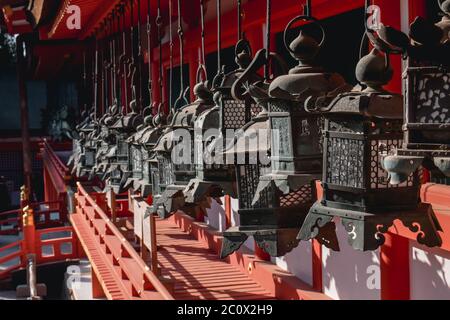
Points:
x=129, y=276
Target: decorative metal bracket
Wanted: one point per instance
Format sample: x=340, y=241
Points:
x=366, y=230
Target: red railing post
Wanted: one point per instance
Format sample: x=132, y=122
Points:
x=29, y=231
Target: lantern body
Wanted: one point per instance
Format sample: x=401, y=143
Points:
x=353, y=175
x=177, y=145
x=361, y=130
x=427, y=118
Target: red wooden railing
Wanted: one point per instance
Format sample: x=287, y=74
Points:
x=109, y=240
x=48, y=245
x=54, y=215
x=56, y=176
x=56, y=244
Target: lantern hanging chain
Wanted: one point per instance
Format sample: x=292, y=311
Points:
x=113, y=52
x=110, y=61
x=181, y=37
x=149, y=48
x=171, y=45
x=123, y=58
x=159, y=25
x=95, y=79
x=219, y=37
x=102, y=58
x=131, y=68
x=117, y=73
x=307, y=8
x=202, y=17
x=239, y=17
x=139, y=53
x=268, y=39
x=219, y=76
x=84, y=79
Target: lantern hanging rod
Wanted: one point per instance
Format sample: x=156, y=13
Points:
x=239, y=13
x=219, y=36
x=149, y=56
x=132, y=30
x=308, y=8
x=139, y=54
x=96, y=77
x=159, y=26
x=202, y=19
x=171, y=45
x=123, y=57
x=268, y=38
x=181, y=97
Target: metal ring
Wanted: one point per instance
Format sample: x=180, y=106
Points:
x=201, y=69
x=303, y=18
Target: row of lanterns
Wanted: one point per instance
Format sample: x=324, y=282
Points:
x=367, y=145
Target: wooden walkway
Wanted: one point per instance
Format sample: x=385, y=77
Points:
x=198, y=272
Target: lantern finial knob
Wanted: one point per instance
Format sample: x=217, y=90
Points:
x=202, y=92
x=374, y=71
x=304, y=48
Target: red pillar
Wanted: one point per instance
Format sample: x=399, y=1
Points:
x=394, y=268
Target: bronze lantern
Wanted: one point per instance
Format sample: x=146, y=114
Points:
x=361, y=127
x=427, y=98
x=118, y=156
x=213, y=130
x=287, y=186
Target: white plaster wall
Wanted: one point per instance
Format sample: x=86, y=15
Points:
x=429, y=273
x=298, y=262
x=216, y=215
x=350, y=274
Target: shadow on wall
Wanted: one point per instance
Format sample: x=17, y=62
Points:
x=351, y=274
x=430, y=273
x=298, y=262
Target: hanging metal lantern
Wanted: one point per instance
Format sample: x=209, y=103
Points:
x=296, y=159
x=118, y=156
x=361, y=128
x=83, y=156
x=214, y=177
x=173, y=197
x=181, y=128
x=141, y=144
x=427, y=98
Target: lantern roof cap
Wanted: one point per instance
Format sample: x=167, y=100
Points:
x=209, y=119
x=369, y=104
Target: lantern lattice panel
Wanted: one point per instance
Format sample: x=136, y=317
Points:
x=433, y=98
x=234, y=114
x=256, y=109
x=300, y=197
x=248, y=180
x=345, y=162
x=165, y=171
x=136, y=158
